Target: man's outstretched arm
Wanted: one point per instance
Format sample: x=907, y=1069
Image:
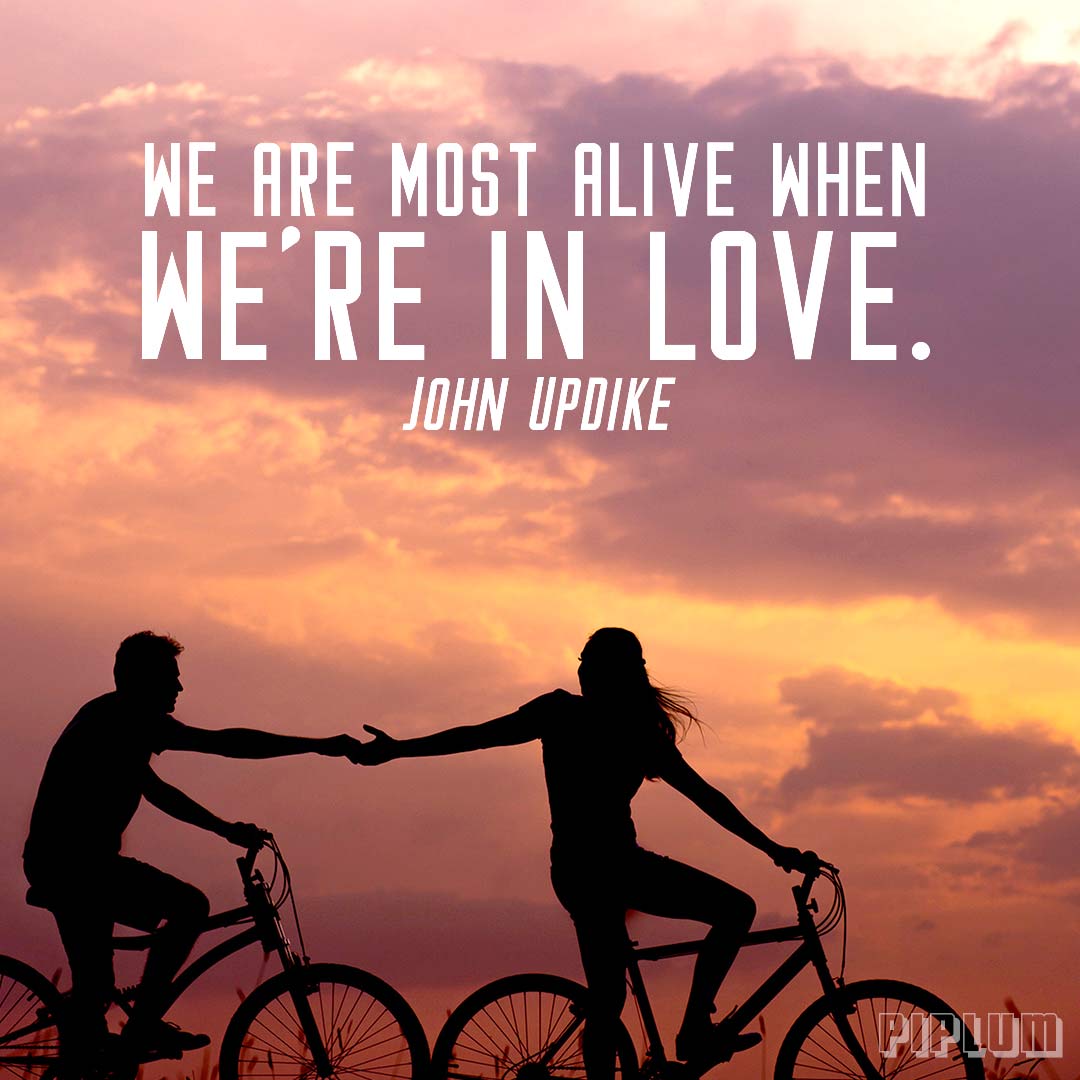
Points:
x=175, y=803
x=251, y=743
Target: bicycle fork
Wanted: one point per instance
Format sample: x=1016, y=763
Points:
x=841, y=1013
x=274, y=939
x=312, y=1036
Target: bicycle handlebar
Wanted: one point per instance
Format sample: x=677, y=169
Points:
x=822, y=864
x=247, y=861
x=801, y=891
x=819, y=864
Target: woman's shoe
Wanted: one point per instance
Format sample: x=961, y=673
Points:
x=714, y=1044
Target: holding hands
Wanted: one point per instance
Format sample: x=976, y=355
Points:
x=380, y=749
x=340, y=746
x=374, y=752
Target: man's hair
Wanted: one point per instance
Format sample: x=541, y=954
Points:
x=140, y=652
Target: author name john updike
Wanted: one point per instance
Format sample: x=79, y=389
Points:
x=594, y=404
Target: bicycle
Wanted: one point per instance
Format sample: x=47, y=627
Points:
x=309, y=1020
x=528, y=1027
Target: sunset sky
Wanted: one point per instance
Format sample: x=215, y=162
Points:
x=867, y=574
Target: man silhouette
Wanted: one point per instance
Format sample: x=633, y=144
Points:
x=97, y=774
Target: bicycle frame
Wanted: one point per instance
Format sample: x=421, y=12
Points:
x=810, y=952
x=261, y=910
x=266, y=929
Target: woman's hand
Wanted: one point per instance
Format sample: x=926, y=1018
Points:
x=244, y=834
x=380, y=749
x=791, y=858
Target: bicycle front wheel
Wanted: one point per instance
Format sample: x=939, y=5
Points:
x=879, y=1028
x=363, y=1026
x=30, y=1022
x=523, y=1027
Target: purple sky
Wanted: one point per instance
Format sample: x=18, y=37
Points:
x=866, y=573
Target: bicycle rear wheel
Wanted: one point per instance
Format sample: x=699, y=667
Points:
x=365, y=1026
x=31, y=1025
x=522, y=1027
x=889, y=1029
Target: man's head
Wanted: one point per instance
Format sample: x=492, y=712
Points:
x=146, y=670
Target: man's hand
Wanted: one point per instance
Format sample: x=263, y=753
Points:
x=341, y=746
x=382, y=748
x=791, y=858
x=244, y=834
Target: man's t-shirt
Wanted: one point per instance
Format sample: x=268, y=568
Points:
x=594, y=763
x=93, y=783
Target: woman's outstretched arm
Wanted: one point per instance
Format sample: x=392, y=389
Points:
x=510, y=730
x=681, y=776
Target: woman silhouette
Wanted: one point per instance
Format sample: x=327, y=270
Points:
x=598, y=748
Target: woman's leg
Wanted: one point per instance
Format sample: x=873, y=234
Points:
x=601, y=934
x=599, y=913
x=662, y=886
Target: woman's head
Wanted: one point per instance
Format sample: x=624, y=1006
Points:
x=612, y=663
x=612, y=670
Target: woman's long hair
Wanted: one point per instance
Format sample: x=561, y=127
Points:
x=677, y=709
x=613, y=665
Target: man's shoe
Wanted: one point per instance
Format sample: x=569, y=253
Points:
x=713, y=1045
x=89, y=1057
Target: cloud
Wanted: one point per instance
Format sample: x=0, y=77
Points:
x=1049, y=846
x=837, y=699
x=885, y=741
x=325, y=568
x=825, y=482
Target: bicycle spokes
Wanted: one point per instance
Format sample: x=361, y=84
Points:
x=29, y=1035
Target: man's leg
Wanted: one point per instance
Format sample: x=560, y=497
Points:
x=662, y=886
x=146, y=896
x=86, y=934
